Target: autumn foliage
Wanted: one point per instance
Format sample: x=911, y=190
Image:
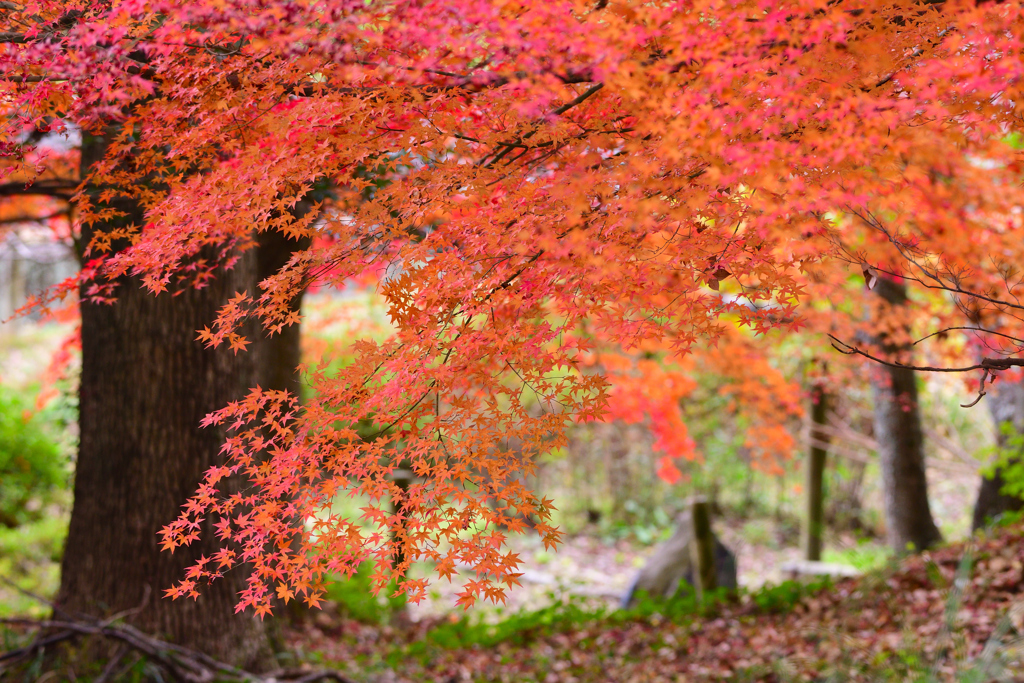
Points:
x=514, y=172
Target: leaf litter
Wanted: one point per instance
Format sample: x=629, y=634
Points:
x=955, y=613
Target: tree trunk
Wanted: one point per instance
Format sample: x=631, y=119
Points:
x=1006, y=405
x=146, y=384
x=908, y=517
x=280, y=354
x=814, y=516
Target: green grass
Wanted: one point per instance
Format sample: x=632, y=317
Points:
x=568, y=612
x=355, y=599
x=864, y=556
x=30, y=559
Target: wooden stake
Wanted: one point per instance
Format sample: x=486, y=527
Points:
x=702, y=548
x=814, y=517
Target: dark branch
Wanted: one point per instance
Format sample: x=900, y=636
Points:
x=906, y=252
x=180, y=662
x=60, y=188
x=989, y=364
x=979, y=330
x=32, y=219
x=579, y=100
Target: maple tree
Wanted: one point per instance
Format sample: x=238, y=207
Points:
x=129, y=481
x=517, y=168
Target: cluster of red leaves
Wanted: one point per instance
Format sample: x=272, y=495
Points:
x=521, y=167
x=770, y=403
x=865, y=629
x=648, y=390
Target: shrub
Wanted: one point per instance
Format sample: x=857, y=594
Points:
x=31, y=464
x=356, y=601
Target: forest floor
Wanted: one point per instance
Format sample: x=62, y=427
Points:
x=561, y=624
x=594, y=566
x=955, y=613
x=587, y=565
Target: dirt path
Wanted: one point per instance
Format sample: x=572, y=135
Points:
x=590, y=567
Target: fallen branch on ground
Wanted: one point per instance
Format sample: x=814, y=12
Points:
x=180, y=663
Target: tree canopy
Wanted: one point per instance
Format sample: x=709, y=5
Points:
x=521, y=178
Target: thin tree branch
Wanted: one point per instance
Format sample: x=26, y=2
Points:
x=31, y=79
x=906, y=252
x=579, y=100
x=980, y=330
x=990, y=364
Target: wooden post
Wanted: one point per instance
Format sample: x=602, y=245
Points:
x=702, y=548
x=403, y=478
x=814, y=517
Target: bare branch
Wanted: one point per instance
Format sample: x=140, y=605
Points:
x=980, y=330
x=989, y=364
x=32, y=79
x=32, y=219
x=908, y=254
x=579, y=100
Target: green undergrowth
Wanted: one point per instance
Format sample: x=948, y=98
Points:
x=865, y=556
x=568, y=612
x=35, y=473
x=30, y=565
x=32, y=465
x=355, y=599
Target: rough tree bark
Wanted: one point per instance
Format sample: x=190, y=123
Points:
x=908, y=516
x=146, y=384
x=1006, y=405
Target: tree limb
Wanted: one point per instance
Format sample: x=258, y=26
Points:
x=989, y=364
x=61, y=188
